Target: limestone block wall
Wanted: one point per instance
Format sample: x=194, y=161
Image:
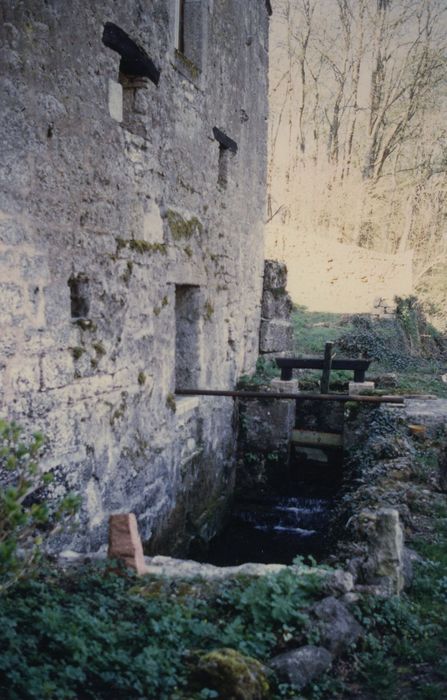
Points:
x=276, y=332
x=131, y=250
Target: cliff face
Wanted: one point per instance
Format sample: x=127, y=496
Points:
x=133, y=185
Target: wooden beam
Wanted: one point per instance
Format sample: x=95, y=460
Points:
x=301, y=396
x=327, y=362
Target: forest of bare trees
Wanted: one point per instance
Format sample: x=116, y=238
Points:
x=358, y=142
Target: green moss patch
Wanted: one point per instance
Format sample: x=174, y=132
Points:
x=183, y=228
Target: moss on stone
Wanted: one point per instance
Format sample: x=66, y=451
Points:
x=128, y=272
x=140, y=246
x=141, y=378
x=208, y=310
x=170, y=402
x=193, y=70
x=232, y=675
x=99, y=349
x=183, y=228
x=77, y=352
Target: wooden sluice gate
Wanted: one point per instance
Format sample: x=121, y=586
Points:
x=300, y=436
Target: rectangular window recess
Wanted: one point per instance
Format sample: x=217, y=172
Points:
x=189, y=32
x=224, y=140
x=188, y=350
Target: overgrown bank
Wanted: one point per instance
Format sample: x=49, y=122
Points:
x=409, y=354
x=97, y=632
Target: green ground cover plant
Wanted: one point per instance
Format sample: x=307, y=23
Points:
x=100, y=634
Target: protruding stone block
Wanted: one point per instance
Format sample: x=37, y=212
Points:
x=125, y=543
x=276, y=336
x=275, y=275
x=116, y=100
x=276, y=304
x=361, y=387
x=385, y=562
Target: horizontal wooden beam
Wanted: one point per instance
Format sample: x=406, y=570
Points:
x=301, y=396
x=317, y=439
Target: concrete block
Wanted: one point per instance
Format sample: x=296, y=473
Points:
x=116, y=101
x=361, y=387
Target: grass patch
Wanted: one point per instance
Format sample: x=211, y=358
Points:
x=408, y=347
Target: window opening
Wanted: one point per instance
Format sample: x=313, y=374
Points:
x=189, y=30
x=134, y=62
x=79, y=296
x=227, y=149
x=187, y=336
x=135, y=69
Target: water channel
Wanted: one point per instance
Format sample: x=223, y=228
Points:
x=292, y=519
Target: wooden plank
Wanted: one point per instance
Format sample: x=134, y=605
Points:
x=301, y=396
x=318, y=362
x=317, y=439
x=327, y=362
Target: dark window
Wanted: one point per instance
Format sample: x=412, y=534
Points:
x=79, y=296
x=227, y=149
x=187, y=336
x=189, y=40
x=135, y=63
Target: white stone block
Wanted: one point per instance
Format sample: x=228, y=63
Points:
x=152, y=224
x=361, y=387
x=116, y=100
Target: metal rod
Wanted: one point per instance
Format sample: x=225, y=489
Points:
x=302, y=396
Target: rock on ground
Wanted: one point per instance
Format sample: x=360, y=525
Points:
x=337, y=626
x=233, y=675
x=300, y=666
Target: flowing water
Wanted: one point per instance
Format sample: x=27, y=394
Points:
x=272, y=530
x=276, y=528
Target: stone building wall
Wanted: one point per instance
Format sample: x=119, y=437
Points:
x=131, y=216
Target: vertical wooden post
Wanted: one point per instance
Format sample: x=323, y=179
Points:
x=327, y=363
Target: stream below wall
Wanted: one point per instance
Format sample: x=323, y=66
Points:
x=288, y=521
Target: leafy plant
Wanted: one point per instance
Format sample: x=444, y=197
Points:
x=26, y=517
x=94, y=634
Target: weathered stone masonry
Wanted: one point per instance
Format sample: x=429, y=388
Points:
x=131, y=248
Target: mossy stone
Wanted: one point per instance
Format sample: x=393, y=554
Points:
x=233, y=675
x=183, y=228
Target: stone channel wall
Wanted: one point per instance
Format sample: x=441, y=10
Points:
x=131, y=252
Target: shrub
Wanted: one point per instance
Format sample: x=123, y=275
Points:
x=26, y=516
